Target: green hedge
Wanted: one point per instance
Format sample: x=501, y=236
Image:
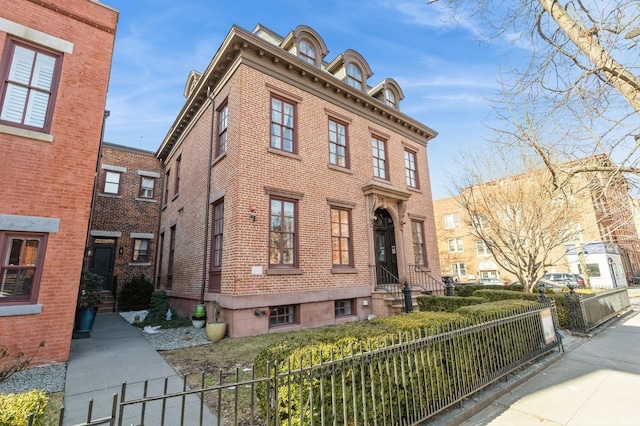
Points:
x=495, y=307
x=16, y=408
x=446, y=303
x=311, y=346
x=501, y=294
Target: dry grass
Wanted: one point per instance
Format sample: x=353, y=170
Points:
x=52, y=410
x=229, y=359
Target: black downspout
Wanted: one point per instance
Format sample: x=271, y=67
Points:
x=206, y=216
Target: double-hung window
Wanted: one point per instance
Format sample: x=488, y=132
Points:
x=338, y=154
x=378, y=151
x=451, y=221
x=411, y=169
x=282, y=234
x=419, y=252
x=223, y=121
x=140, y=250
x=482, y=249
x=341, y=237
x=111, y=182
x=29, y=85
x=455, y=245
x=283, y=123
x=22, y=256
x=147, y=185
x=459, y=269
x=176, y=182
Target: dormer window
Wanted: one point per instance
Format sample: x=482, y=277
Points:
x=306, y=52
x=354, y=76
x=389, y=98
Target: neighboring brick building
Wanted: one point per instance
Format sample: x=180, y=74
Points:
x=124, y=219
x=293, y=187
x=604, y=227
x=55, y=61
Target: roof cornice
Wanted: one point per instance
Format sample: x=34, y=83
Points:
x=272, y=60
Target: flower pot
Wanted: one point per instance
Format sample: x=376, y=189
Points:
x=85, y=318
x=198, y=323
x=216, y=331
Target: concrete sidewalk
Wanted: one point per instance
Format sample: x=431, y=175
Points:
x=596, y=382
x=115, y=353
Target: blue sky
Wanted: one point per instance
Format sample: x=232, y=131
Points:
x=446, y=71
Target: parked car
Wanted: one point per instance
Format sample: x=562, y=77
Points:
x=550, y=284
x=491, y=281
x=565, y=278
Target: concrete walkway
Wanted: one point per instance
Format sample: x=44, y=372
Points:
x=595, y=383
x=115, y=353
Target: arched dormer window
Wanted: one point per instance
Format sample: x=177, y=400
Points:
x=354, y=76
x=306, y=44
x=351, y=68
x=306, y=52
x=389, y=92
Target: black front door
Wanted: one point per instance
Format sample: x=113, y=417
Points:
x=385, y=242
x=103, y=256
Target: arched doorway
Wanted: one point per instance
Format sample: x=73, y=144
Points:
x=385, y=247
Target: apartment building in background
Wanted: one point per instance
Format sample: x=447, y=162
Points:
x=296, y=193
x=605, y=245
x=55, y=61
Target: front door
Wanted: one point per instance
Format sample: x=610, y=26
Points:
x=385, y=243
x=103, y=257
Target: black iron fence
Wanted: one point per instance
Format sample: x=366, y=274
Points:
x=587, y=311
x=400, y=380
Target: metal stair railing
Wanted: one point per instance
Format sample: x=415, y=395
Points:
x=386, y=280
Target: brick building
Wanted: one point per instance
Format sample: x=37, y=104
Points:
x=296, y=193
x=603, y=244
x=55, y=61
x=124, y=218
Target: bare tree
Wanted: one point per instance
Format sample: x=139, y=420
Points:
x=523, y=219
x=582, y=77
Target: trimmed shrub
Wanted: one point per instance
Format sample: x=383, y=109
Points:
x=501, y=294
x=492, y=308
x=315, y=345
x=136, y=294
x=16, y=408
x=446, y=303
x=158, y=308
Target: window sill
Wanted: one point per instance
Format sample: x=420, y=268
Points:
x=340, y=169
x=175, y=196
x=30, y=134
x=146, y=200
x=139, y=264
x=102, y=194
x=411, y=188
x=343, y=270
x=218, y=158
x=13, y=310
x=284, y=271
x=284, y=153
x=381, y=180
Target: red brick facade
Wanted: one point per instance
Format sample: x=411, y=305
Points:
x=47, y=175
x=252, y=177
x=125, y=215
